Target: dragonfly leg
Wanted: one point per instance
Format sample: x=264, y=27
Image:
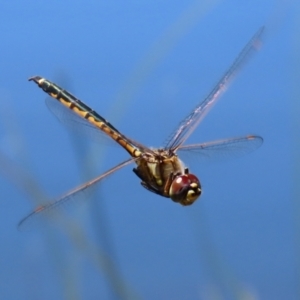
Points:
x=137, y=173
x=151, y=189
x=147, y=186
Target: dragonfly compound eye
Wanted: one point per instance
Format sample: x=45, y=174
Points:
x=185, y=189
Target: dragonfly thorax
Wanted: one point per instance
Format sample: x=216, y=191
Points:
x=164, y=173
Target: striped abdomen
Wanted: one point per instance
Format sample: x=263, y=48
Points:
x=85, y=112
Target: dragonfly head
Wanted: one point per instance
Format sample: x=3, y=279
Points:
x=185, y=189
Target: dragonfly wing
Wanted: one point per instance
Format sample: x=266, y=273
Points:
x=82, y=126
x=76, y=123
x=223, y=149
x=188, y=125
x=75, y=195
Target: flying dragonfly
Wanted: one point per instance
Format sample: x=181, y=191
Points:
x=160, y=170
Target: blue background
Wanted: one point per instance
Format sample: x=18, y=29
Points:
x=144, y=65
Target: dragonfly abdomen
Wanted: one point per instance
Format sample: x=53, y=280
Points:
x=84, y=111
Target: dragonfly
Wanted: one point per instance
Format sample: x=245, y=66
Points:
x=160, y=170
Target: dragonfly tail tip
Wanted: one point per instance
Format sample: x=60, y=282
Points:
x=35, y=78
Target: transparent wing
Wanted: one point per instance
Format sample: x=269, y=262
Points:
x=188, y=125
x=76, y=123
x=80, y=125
x=223, y=149
x=49, y=210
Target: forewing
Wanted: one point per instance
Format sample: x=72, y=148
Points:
x=222, y=149
x=75, y=196
x=188, y=125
